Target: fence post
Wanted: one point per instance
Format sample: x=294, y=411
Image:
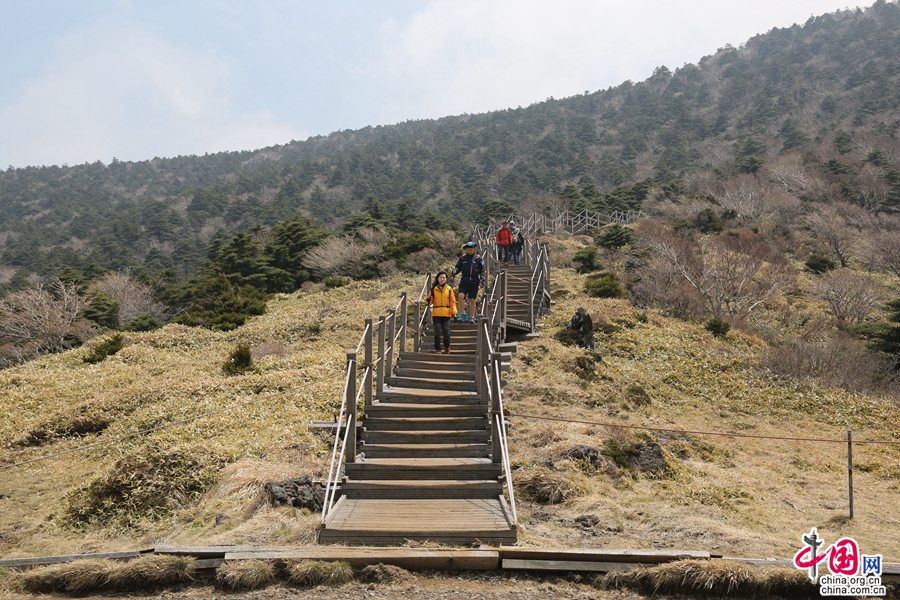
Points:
x=403, y=318
x=350, y=455
x=850, y=467
x=391, y=334
x=367, y=378
x=379, y=379
x=496, y=449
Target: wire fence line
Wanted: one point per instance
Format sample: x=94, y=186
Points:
x=715, y=433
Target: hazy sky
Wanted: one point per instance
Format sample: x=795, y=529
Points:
x=97, y=79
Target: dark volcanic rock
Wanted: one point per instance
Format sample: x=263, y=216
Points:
x=300, y=492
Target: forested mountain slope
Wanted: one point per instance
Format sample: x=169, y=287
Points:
x=827, y=90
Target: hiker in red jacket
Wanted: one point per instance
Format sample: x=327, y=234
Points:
x=504, y=241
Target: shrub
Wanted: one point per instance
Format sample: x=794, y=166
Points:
x=819, y=264
x=143, y=323
x=586, y=259
x=638, y=395
x=544, y=486
x=239, y=361
x=310, y=573
x=717, y=327
x=245, y=574
x=604, y=285
x=614, y=236
x=709, y=222
x=107, y=347
x=336, y=282
x=385, y=574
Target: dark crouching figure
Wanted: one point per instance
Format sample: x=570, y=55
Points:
x=581, y=327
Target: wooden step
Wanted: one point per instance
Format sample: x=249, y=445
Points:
x=422, y=489
x=421, y=410
x=423, y=468
x=438, y=396
x=425, y=423
x=410, y=358
x=477, y=450
x=466, y=373
x=425, y=436
x=447, y=521
x=422, y=383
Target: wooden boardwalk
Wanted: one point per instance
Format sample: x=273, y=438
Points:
x=426, y=471
x=427, y=463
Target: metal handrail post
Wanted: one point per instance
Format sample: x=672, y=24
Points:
x=403, y=317
x=367, y=378
x=496, y=448
x=531, y=303
x=418, y=314
x=479, y=349
x=389, y=362
x=379, y=378
x=503, y=294
x=350, y=449
x=546, y=266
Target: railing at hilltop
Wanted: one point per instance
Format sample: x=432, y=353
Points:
x=537, y=223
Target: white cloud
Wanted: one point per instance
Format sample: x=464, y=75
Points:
x=115, y=89
x=472, y=56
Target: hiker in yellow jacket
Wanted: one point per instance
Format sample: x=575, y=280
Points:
x=442, y=300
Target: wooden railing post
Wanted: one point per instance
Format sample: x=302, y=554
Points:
x=379, y=379
x=496, y=449
x=367, y=379
x=350, y=451
x=403, y=318
x=391, y=334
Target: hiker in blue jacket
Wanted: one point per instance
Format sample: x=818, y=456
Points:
x=471, y=267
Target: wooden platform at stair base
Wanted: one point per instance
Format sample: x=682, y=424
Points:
x=458, y=522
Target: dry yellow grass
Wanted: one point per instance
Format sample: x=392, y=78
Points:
x=714, y=577
x=245, y=574
x=731, y=496
x=310, y=573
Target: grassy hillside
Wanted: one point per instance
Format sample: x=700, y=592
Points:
x=199, y=480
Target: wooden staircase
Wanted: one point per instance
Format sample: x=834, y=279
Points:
x=425, y=469
x=518, y=278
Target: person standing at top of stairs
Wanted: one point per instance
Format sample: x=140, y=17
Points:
x=504, y=241
x=471, y=267
x=442, y=300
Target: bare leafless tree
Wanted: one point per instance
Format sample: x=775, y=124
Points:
x=852, y=297
x=884, y=245
x=38, y=320
x=756, y=200
x=734, y=273
x=344, y=255
x=835, y=227
x=133, y=297
x=805, y=181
